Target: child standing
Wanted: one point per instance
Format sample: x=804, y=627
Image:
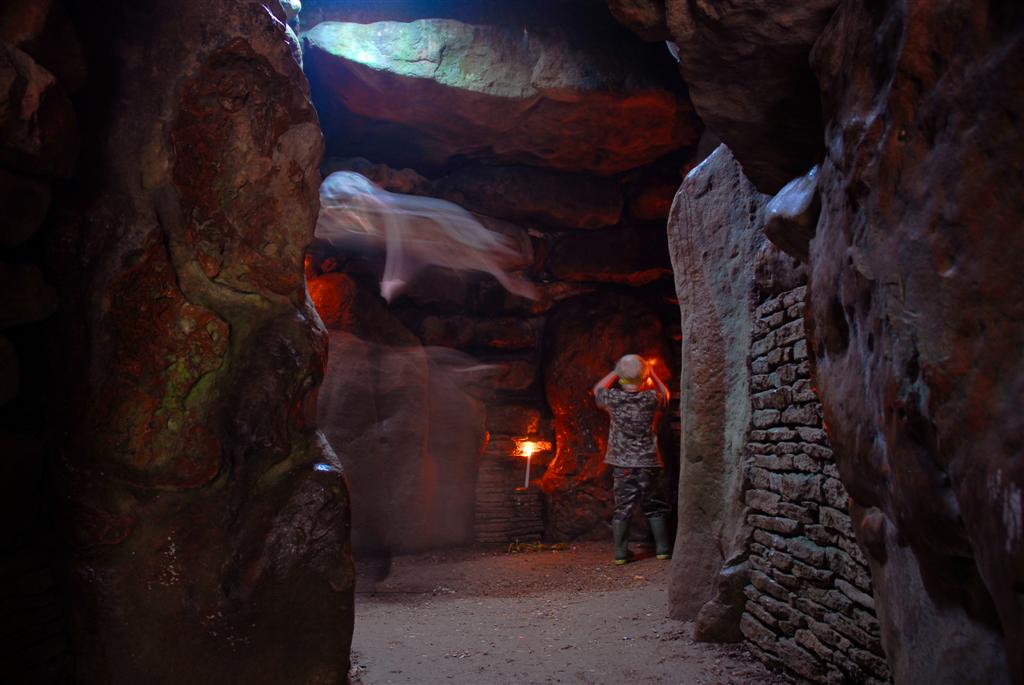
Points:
x=633, y=450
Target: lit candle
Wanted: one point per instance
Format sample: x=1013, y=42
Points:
x=526, y=448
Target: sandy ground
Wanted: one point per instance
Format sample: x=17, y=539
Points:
x=484, y=616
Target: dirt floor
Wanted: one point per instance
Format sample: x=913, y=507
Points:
x=484, y=616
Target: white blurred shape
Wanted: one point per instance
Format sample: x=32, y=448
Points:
x=413, y=231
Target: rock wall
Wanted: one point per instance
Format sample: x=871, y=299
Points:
x=810, y=610
x=206, y=516
x=584, y=209
x=916, y=321
x=765, y=550
x=714, y=237
x=746, y=66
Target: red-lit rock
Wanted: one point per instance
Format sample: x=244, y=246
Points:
x=433, y=91
x=584, y=339
x=714, y=237
x=746, y=67
x=917, y=314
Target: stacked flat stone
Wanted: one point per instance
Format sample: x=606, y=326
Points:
x=503, y=513
x=810, y=612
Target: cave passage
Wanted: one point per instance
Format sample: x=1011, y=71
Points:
x=304, y=305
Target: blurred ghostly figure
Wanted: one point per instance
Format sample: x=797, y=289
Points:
x=414, y=231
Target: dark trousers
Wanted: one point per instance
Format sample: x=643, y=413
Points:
x=635, y=484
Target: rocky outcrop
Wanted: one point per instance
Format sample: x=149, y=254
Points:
x=746, y=67
x=916, y=322
x=714, y=237
x=516, y=193
x=793, y=215
x=208, y=516
x=645, y=18
x=584, y=338
x=434, y=92
x=633, y=255
x=534, y=195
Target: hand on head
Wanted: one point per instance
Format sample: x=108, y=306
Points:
x=632, y=371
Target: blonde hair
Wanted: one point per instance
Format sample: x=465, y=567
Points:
x=632, y=367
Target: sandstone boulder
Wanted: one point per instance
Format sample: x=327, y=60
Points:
x=714, y=237
x=917, y=322
x=584, y=338
x=746, y=66
x=435, y=91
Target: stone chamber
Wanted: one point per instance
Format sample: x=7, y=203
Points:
x=807, y=215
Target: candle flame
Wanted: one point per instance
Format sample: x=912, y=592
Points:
x=527, y=448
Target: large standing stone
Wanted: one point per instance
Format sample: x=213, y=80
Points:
x=208, y=515
x=745, y=64
x=917, y=313
x=441, y=91
x=714, y=238
x=584, y=338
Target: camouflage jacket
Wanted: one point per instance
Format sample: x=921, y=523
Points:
x=631, y=439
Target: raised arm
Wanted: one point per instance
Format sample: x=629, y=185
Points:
x=663, y=394
x=605, y=382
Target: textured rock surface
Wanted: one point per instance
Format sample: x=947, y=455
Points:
x=38, y=128
x=445, y=91
x=633, y=255
x=584, y=338
x=209, y=517
x=537, y=195
x=745, y=64
x=793, y=215
x=916, y=311
x=811, y=612
x=515, y=193
x=645, y=18
x=714, y=236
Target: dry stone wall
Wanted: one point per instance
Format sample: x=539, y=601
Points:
x=810, y=610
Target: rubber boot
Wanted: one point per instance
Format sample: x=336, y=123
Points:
x=662, y=546
x=620, y=534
